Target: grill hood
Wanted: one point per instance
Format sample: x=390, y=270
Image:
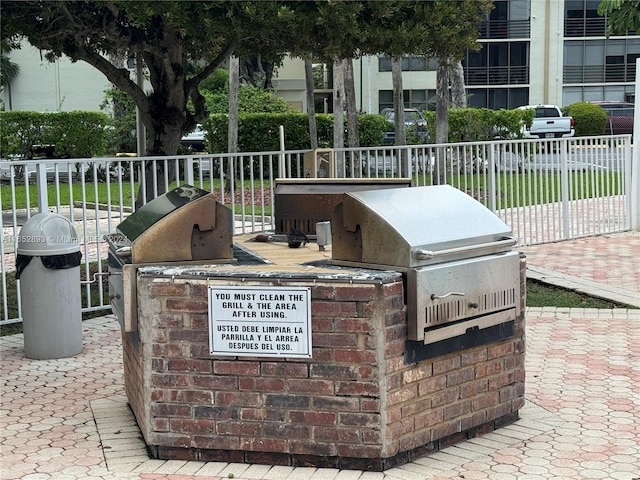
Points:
x=413, y=227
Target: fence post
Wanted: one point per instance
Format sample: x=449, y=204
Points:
x=491, y=188
x=189, y=177
x=564, y=187
x=41, y=186
x=281, y=166
x=634, y=194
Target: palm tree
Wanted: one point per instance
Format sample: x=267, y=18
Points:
x=8, y=70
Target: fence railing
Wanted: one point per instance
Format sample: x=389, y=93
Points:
x=545, y=190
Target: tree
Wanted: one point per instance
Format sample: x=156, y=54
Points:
x=624, y=15
x=456, y=78
x=398, y=100
x=311, y=105
x=165, y=35
x=8, y=70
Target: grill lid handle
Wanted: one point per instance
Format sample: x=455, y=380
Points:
x=457, y=294
x=123, y=252
x=429, y=254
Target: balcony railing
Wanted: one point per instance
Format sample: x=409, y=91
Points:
x=599, y=73
x=504, y=29
x=518, y=75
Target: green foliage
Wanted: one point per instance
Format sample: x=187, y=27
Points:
x=540, y=294
x=481, y=124
x=121, y=136
x=509, y=122
x=250, y=100
x=624, y=15
x=589, y=119
x=259, y=132
x=216, y=83
x=66, y=134
x=371, y=129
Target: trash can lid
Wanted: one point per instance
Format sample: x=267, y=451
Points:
x=47, y=234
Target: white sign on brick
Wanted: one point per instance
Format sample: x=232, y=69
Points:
x=260, y=321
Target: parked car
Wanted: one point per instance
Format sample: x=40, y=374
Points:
x=619, y=117
x=195, y=139
x=415, y=124
x=548, y=122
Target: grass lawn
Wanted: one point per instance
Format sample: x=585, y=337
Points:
x=513, y=190
x=124, y=193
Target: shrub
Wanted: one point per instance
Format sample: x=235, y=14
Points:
x=481, y=124
x=259, y=132
x=589, y=119
x=59, y=134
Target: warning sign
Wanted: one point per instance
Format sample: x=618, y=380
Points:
x=260, y=321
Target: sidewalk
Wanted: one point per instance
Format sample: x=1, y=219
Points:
x=68, y=419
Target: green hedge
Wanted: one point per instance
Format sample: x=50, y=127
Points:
x=84, y=134
x=589, y=119
x=59, y=134
x=259, y=132
x=481, y=124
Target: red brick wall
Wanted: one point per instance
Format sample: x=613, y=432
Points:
x=355, y=403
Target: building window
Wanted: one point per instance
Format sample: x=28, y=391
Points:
x=409, y=64
x=420, y=99
x=581, y=19
x=508, y=19
x=498, y=64
x=497, y=98
x=598, y=61
x=612, y=93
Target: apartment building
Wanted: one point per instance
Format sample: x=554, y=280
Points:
x=533, y=51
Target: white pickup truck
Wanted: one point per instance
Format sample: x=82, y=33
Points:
x=548, y=122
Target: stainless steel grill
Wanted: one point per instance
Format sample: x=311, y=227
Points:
x=300, y=203
x=185, y=225
x=462, y=275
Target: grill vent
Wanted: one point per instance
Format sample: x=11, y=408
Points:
x=305, y=225
x=446, y=312
x=457, y=309
x=498, y=300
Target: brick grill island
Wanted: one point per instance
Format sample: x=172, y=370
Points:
x=357, y=403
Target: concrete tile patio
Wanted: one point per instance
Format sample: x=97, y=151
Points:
x=68, y=419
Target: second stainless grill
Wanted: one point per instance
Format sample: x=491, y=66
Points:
x=185, y=225
x=461, y=272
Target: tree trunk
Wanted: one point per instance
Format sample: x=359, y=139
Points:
x=398, y=100
x=442, y=118
x=311, y=104
x=159, y=174
x=458, y=94
x=350, y=97
x=338, y=111
x=232, y=146
x=355, y=166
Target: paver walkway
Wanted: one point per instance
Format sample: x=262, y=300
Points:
x=67, y=419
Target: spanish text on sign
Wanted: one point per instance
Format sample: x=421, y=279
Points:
x=260, y=321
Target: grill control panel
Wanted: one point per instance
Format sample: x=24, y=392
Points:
x=447, y=299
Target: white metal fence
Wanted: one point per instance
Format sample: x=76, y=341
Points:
x=545, y=191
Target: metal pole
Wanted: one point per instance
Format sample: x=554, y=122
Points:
x=140, y=130
x=634, y=195
x=41, y=186
x=492, y=190
x=564, y=186
x=281, y=168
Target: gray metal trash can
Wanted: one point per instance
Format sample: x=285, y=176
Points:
x=48, y=267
